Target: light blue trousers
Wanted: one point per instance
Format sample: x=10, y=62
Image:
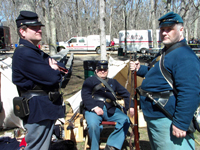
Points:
x=39, y=135
x=161, y=137
x=117, y=137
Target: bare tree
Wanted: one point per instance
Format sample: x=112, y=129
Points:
x=81, y=17
x=52, y=38
x=86, y=17
x=184, y=13
x=102, y=29
x=153, y=15
x=197, y=16
x=168, y=6
x=46, y=21
x=25, y=5
x=110, y=26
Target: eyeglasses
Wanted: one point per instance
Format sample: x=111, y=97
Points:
x=102, y=70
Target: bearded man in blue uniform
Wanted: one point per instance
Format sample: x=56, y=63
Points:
x=184, y=67
x=100, y=104
x=34, y=70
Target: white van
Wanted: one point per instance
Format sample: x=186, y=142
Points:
x=89, y=43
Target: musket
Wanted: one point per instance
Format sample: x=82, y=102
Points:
x=134, y=121
x=71, y=120
x=160, y=106
x=136, y=133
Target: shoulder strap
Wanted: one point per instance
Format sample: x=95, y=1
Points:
x=166, y=52
x=168, y=76
x=97, y=87
x=107, y=85
x=155, y=60
x=175, y=46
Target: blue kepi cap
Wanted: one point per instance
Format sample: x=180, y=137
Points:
x=28, y=18
x=170, y=19
x=102, y=64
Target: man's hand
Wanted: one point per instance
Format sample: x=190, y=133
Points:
x=53, y=64
x=131, y=112
x=178, y=132
x=134, y=65
x=98, y=111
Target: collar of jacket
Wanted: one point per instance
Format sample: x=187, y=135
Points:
x=29, y=44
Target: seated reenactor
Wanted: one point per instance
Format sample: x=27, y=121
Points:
x=98, y=95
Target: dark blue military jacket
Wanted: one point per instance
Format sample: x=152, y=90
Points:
x=30, y=67
x=90, y=102
x=184, y=66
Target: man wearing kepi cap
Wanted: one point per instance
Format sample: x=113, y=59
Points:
x=37, y=77
x=99, y=99
x=171, y=80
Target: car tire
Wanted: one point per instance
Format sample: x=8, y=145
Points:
x=98, y=50
x=143, y=51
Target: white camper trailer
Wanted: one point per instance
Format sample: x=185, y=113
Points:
x=138, y=40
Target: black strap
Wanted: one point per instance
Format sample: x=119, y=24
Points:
x=168, y=76
x=166, y=51
x=113, y=93
x=155, y=60
x=97, y=87
x=107, y=85
x=175, y=46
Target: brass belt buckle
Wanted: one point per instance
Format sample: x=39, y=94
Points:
x=108, y=100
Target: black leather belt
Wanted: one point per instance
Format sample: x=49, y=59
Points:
x=102, y=99
x=30, y=93
x=163, y=94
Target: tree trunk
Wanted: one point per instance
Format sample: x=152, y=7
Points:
x=110, y=25
x=45, y=15
x=153, y=10
x=168, y=7
x=86, y=17
x=78, y=20
x=25, y=5
x=52, y=38
x=102, y=29
x=196, y=21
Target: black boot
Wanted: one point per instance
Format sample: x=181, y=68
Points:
x=109, y=148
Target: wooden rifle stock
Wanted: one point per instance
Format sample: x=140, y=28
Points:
x=71, y=120
x=134, y=120
x=136, y=133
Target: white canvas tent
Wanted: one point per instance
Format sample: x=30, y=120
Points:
x=8, y=92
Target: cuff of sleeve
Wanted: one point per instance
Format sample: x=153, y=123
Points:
x=93, y=108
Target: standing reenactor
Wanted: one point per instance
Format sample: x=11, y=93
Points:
x=178, y=93
x=37, y=77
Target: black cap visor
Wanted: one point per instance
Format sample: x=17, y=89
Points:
x=167, y=24
x=33, y=23
x=102, y=67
